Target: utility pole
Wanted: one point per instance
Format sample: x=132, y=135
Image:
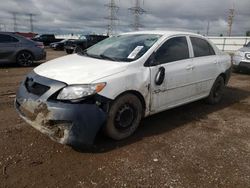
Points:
x=112, y=17
x=31, y=22
x=208, y=27
x=14, y=22
x=230, y=20
x=137, y=11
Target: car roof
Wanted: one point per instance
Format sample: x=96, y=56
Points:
x=165, y=33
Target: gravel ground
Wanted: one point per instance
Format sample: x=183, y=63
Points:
x=196, y=145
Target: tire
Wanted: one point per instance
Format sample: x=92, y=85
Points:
x=24, y=59
x=216, y=92
x=78, y=49
x=69, y=51
x=124, y=117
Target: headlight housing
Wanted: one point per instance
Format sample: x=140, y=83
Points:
x=74, y=92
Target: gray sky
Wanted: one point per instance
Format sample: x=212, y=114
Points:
x=77, y=16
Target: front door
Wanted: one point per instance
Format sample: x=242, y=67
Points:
x=172, y=79
x=8, y=45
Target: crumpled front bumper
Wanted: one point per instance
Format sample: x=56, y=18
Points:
x=66, y=123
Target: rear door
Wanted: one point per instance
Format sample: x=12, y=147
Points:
x=8, y=46
x=206, y=65
x=172, y=80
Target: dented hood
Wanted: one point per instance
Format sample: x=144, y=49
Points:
x=77, y=69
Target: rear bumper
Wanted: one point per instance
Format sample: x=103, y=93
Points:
x=65, y=123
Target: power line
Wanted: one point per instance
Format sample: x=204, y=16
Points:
x=137, y=11
x=112, y=17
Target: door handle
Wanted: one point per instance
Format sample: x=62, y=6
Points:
x=190, y=67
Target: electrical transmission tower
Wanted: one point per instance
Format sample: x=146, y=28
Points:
x=14, y=21
x=31, y=22
x=113, y=9
x=230, y=20
x=137, y=11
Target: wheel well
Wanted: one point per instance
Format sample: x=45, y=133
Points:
x=138, y=95
x=223, y=75
x=25, y=51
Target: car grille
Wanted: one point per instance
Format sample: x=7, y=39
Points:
x=34, y=87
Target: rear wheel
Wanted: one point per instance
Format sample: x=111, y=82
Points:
x=25, y=59
x=78, y=50
x=216, y=92
x=69, y=51
x=124, y=117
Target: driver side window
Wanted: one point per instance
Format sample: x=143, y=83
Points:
x=174, y=49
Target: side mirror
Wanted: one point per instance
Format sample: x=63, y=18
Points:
x=160, y=76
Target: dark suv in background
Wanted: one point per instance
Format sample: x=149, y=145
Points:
x=46, y=39
x=18, y=49
x=84, y=41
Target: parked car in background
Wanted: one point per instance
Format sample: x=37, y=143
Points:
x=59, y=45
x=241, y=59
x=112, y=85
x=85, y=41
x=27, y=35
x=18, y=49
x=46, y=39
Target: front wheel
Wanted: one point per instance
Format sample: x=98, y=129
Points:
x=216, y=92
x=124, y=117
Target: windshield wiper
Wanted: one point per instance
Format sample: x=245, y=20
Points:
x=107, y=57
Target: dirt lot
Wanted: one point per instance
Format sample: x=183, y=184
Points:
x=196, y=145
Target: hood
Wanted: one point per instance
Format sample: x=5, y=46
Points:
x=245, y=49
x=77, y=69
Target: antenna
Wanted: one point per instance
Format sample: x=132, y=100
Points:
x=113, y=9
x=137, y=11
x=230, y=20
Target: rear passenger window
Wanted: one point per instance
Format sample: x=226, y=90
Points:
x=201, y=47
x=7, y=39
x=173, y=49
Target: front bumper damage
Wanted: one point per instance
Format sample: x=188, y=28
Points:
x=67, y=123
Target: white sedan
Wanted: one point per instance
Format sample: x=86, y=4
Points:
x=115, y=83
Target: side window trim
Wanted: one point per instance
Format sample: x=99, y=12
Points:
x=211, y=46
x=190, y=47
x=171, y=37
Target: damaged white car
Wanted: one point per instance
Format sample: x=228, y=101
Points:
x=115, y=83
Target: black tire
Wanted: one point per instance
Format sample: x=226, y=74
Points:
x=124, y=117
x=78, y=49
x=24, y=59
x=216, y=92
x=69, y=51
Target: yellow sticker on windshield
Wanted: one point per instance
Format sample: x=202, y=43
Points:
x=134, y=53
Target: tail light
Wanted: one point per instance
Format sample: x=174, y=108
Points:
x=40, y=45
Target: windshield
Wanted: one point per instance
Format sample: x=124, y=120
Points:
x=128, y=47
x=82, y=37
